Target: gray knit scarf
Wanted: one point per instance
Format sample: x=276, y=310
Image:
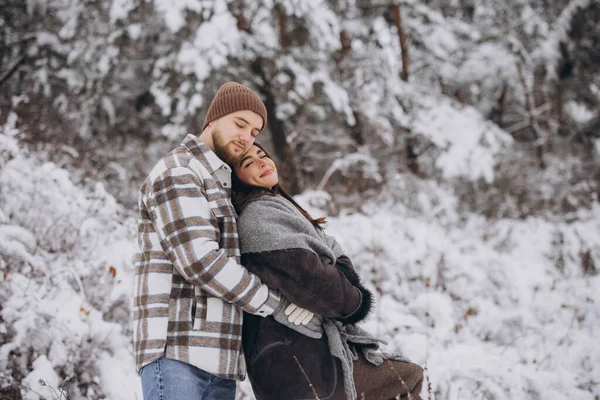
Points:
x=272, y=223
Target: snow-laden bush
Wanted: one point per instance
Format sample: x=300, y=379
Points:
x=468, y=145
x=66, y=262
x=521, y=189
x=495, y=309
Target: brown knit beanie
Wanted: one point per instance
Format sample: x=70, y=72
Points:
x=232, y=97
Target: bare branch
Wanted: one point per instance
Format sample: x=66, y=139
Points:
x=402, y=40
x=11, y=70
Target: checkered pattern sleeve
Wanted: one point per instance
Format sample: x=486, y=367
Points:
x=189, y=235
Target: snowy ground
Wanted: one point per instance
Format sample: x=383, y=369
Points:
x=494, y=309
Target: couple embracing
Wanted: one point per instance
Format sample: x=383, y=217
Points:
x=232, y=275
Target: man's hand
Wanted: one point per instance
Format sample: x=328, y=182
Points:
x=299, y=319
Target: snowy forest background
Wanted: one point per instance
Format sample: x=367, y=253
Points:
x=453, y=144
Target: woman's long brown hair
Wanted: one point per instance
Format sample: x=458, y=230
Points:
x=242, y=194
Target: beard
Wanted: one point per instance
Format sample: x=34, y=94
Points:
x=222, y=148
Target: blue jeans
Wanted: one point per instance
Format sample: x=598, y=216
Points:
x=166, y=379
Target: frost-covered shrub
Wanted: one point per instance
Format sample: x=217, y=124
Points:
x=522, y=189
x=34, y=197
x=481, y=301
x=358, y=172
x=66, y=262
x=9, y=147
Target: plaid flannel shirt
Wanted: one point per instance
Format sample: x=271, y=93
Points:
x=190, y=288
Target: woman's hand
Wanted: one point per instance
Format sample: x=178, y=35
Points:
x=298, y=315
x=297, y=318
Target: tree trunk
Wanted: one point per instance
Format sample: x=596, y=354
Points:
x=533, y=119
x=284, y=41
x=497, y=112
x=412, y=158
x=282, y=148
x=356, y=130
x=402, y=39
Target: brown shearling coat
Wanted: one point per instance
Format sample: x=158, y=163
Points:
x=286, y=365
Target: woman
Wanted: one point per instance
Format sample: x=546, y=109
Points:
x=287, y=249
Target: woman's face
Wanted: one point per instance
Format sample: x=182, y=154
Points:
x=256, y=169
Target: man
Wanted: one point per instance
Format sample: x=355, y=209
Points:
x=190, y=289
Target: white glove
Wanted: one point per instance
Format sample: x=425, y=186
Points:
x=298, y=315
x=299, y=319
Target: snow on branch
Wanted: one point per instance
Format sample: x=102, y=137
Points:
x=549, y=50
x=365, y=163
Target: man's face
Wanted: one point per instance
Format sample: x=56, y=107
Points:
x=233, y=134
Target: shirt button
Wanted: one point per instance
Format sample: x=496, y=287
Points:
x=225, y=184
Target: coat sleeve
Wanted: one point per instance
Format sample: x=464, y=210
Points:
x=343, y=262
x=307, y=281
